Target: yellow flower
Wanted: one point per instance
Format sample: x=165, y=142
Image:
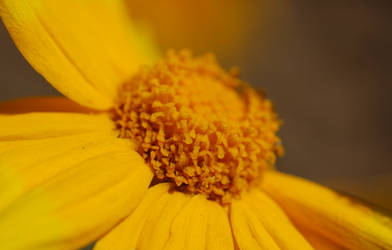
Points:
x=178, y=155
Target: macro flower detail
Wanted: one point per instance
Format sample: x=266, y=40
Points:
x=173, y=153
x=195, y=129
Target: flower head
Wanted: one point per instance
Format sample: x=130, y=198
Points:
x=194, y=127
x=174, y=155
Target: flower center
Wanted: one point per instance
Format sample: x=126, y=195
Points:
x=199, y=126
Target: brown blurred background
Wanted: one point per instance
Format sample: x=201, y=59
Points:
x=327, y=67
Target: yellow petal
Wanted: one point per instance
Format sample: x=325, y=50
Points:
x=85, y=49
x=126, y=235
x=319, y=209
x=275, y=221
x=46, y=125
x=64, y=191
x=219, y=235
x=201, y=224
x=155, y=231
x=171, y=220
x=248, y=231
x=41, y=104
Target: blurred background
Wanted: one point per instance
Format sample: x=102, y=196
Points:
x=326, y=65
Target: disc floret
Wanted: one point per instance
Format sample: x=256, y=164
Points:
x=198, y=126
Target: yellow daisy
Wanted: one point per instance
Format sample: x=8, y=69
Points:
x=175, y=155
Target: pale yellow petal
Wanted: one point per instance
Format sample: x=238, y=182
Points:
x=41, y=104
x=64, y=191
x=248, y=231
x=275, y=221
x=319, y=209
x=171, y=220
x=85, y=49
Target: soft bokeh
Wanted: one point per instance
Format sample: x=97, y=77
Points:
x=223, y=26
x=326, y=66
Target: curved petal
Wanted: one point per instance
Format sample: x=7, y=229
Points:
x=62, y=191
x=321, y=210
x=171, y=220
x=274, y=220
x=85, y=49
x=41, y=104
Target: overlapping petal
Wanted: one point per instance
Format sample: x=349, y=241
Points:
x=270, y=224
x=249, y=232
x=171, y=220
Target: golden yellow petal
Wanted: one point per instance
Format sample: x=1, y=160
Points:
x=41, y=104
x=319, y=209
x=64, y=191
x=85, y=49
x=248, y=231
x=171, y=220
x=275, y=221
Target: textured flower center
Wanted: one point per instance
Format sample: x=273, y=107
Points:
x=199, y=126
